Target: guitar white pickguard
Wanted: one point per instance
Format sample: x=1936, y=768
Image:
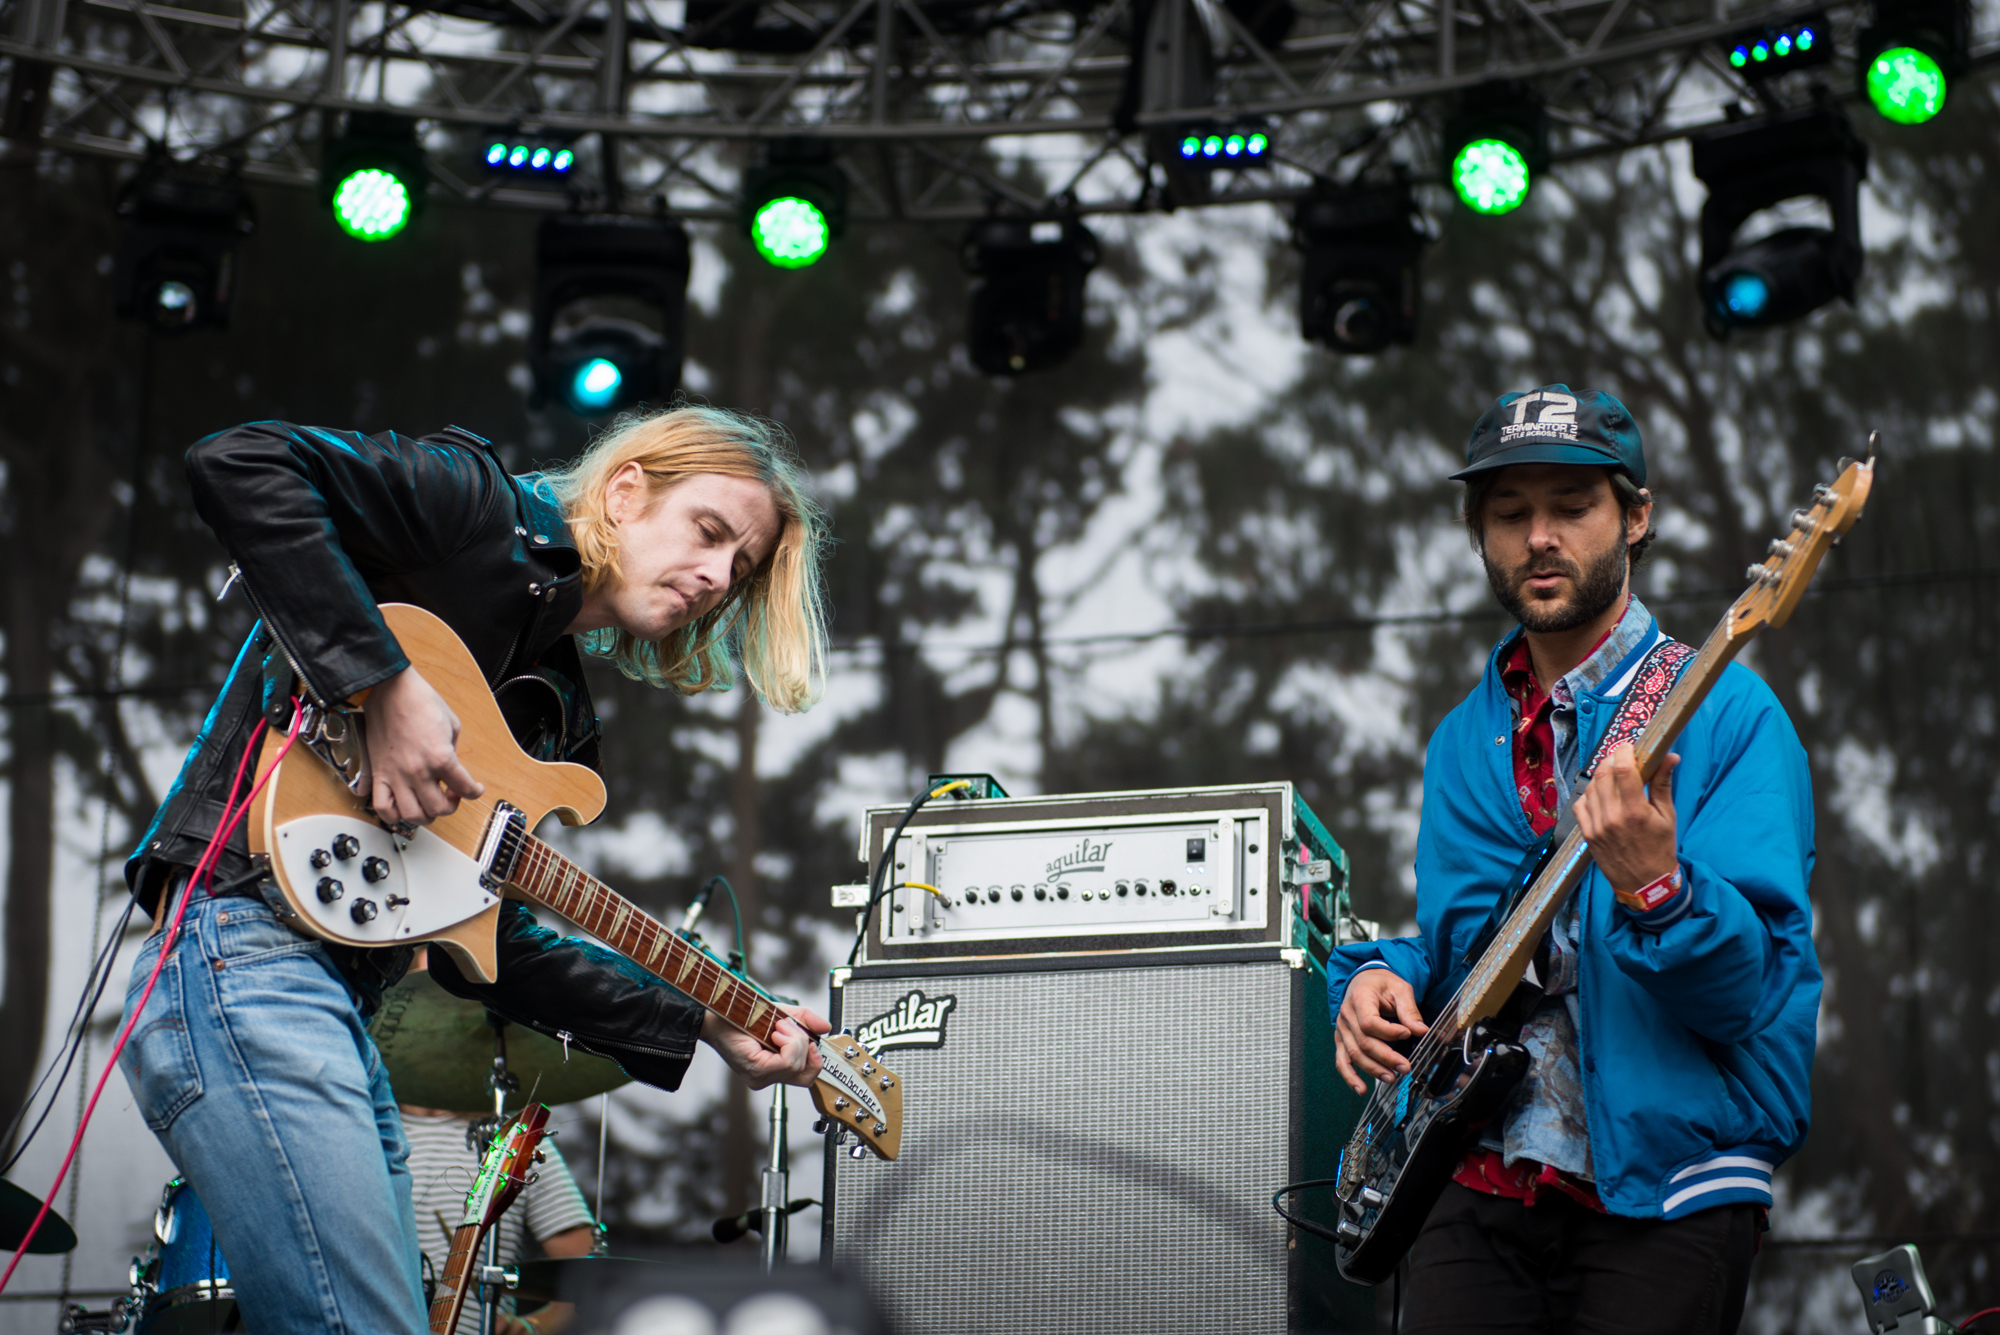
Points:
x=439, y=886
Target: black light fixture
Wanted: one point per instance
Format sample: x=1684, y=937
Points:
x=1361, y=248
x=178, y=256
x=1209, y=145
x=602, y=363
x=1906, y=59
x=373, y=175
x=1808, y=153
x=1495, y=145
x=1027, y=292
x=795, y=202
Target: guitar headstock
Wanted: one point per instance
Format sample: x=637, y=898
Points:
x=860, y=1094
x=1779, y=580
x=509, y=1160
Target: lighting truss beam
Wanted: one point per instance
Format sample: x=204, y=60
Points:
x=951, y=98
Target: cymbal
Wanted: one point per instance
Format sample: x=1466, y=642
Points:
x=18, y=1210
x=439, y=1051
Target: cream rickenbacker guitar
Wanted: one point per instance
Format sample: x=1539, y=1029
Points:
x=347, y=878
x=1413, y=1130
x=504, y=1172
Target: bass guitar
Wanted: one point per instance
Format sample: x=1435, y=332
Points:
x=509, y=1159
x=348, y=878
x=1413, y=1130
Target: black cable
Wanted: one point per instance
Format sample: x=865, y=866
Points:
x=86, y=1006
x=875, y=887
x=1317, y=1230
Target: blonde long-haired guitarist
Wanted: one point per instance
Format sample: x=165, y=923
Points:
x=674, y=542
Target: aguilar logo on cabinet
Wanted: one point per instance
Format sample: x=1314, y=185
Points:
x=1087, y=857
x=917, y=1021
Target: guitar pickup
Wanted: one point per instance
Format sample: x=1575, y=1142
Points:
x=500, y=845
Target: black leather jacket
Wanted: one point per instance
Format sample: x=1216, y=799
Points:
x=325, y=525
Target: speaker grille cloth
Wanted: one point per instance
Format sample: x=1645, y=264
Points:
x=1089, y=1151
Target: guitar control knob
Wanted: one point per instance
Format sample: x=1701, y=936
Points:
x=375, y=869
x=364, y=910
x=345, y=846
x=1349, y=1233
x=329, y=889
x=320, y=859
x=1062, y=892
x=1372, y=1199
x=1017, y=893
x=1041, y=892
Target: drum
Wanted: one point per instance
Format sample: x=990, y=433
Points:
x=189, y=1279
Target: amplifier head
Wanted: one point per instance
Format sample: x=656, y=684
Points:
x=1164, y=870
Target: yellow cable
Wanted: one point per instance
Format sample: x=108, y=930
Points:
x=944, y=788
x=919, y=885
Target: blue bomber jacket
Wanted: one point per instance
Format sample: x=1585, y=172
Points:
x=1696, y=1040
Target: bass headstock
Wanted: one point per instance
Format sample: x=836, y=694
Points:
x=860, y=1094
x=1779, y=580
x=509, y=1162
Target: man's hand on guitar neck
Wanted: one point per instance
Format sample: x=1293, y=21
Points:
x=1629, y=822
x=414, y=774
x=796, y=1061
x=1379, y=1009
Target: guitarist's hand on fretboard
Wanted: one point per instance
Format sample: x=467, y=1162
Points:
x=1629, y=824
x=796, y=1061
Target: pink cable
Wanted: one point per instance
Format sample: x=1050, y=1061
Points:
x=204, y=871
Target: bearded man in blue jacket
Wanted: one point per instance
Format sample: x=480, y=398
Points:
x=1624, y=1185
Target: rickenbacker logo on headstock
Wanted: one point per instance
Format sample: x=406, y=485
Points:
x=917, y=1021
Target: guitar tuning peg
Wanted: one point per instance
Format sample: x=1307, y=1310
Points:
x=859, y=1151
x=819, y=1126
x=1780, y=548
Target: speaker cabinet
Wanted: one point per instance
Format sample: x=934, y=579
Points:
x=1091, y=1143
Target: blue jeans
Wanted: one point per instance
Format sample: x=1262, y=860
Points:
x=252, y=1067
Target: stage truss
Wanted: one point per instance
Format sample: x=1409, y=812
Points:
x=936, y=109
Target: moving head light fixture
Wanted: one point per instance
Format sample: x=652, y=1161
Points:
x=1808, y=153
x=1359, y=292
x=373, y=175
x=1495, y=144
x=1027, y=292
x=177, y=259
x=1907, y=57
x=795, y=202
x=605, y=363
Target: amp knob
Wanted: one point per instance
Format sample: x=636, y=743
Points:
x=375, y=869
x=329, y=889
x=345, y=846
x=364, y=910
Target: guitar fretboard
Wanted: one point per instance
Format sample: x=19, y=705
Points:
x=451, y=1291
x=549, y=878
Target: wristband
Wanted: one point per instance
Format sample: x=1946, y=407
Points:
x=1652, y=894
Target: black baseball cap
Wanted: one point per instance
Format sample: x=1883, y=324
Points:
x=1552, y=425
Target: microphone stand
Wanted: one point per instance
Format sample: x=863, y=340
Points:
x=777, y=1182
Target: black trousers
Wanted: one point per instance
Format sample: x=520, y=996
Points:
x=1490, y=1264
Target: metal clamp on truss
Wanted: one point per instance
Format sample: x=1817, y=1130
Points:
x=1316, y=872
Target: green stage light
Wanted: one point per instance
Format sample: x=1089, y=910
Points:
x=1906, y=85
x=1490, y=175
x=371, y=204
x=790, y=232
